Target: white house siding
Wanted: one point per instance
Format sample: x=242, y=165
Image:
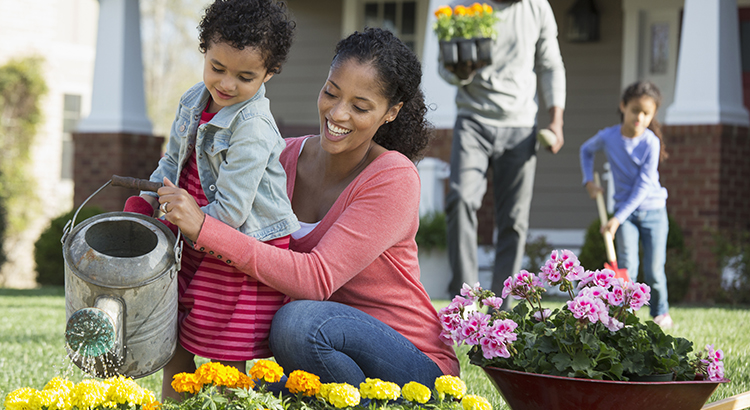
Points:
x=63, y=32
x=593, y=73
x=294, y=92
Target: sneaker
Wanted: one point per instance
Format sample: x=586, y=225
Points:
x=665, y=321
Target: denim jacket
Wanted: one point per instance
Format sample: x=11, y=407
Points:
x=237, y=153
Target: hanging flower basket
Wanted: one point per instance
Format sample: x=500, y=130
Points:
x=521, y=390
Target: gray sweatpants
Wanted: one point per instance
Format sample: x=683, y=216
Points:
x=512, y=154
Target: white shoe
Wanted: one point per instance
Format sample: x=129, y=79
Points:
x=665, y=321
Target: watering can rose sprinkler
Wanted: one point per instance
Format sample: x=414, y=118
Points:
x=121, y=290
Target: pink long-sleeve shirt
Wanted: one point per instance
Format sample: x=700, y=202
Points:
x=362, y=253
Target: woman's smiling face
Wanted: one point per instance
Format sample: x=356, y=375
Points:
x=352, y=107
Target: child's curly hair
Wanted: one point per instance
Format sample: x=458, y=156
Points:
x=263, y=24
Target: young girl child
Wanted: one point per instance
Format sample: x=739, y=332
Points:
x=224, y=150
x=634, y=150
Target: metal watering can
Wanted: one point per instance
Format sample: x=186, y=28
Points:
x=120, y=290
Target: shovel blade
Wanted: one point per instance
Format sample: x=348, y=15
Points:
x=619, y=272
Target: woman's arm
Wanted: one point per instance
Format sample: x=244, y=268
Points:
x=380, y=213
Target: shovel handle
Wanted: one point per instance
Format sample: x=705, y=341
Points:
x=136, y=183
x=609, y=242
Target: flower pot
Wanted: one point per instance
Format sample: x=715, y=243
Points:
x=484, y=50
x=449, y=52
x=467, y=50
x=666, y=377
x=521, y=391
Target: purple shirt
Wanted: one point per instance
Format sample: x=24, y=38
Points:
x=634, y=164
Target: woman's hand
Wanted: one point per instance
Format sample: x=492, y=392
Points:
x=181, y=209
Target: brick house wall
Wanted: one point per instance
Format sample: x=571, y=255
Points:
x=708, y=179
x=98, y=156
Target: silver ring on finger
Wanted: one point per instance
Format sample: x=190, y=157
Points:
x=163, y=207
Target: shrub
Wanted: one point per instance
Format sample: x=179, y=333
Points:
x=537, y=253
x=431, y=234
x=50, y=266
x=679, y=267
x=732, y=250
x=3, y=222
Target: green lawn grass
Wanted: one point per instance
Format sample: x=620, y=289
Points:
x=32, y=347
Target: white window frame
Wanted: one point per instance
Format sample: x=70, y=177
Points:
x=354, y=17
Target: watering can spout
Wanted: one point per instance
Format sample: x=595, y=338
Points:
x=94, y=337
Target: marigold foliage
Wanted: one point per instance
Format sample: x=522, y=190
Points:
x=416, y=392
x=450, y=385
x=300, y=381
x=266, y=370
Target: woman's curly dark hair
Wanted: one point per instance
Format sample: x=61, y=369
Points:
x=263, y=24
x=400, y=75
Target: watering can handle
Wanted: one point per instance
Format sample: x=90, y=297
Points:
x=136, y=183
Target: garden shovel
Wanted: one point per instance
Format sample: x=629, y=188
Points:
x=609, y=243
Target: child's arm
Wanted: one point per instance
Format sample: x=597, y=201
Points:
x=253, y=145
x=587, y=152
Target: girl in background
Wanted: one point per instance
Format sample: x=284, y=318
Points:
x=634, y=149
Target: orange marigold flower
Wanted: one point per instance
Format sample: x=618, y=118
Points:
x=461, y=10
x=152, y=406
x=218, y=374
x=186, y=383
x=266, y=370
x=475, y=9
x=303, y=382
x=244, y=382
x=443, y=11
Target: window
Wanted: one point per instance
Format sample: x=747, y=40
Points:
x=71, y=115
x=400, y=17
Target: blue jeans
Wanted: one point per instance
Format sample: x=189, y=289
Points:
x=512, y=154
x=651, y=227
x=342, y=344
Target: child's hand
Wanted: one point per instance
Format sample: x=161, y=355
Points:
x=181, y=209
x=593, y=189
x=611, y=226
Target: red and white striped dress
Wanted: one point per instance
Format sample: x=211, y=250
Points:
x=224, y=314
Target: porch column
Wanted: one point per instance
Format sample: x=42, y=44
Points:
x=706, y=134
x=116, y=138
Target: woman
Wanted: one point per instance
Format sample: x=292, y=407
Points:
x=359, y=309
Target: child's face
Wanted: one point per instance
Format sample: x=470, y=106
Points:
x=637, y=115
x=233, y=75
x=352, y=107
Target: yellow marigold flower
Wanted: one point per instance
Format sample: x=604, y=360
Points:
x=300, y=381
x=186, y=383
x=89, y=394
x=416, y=392
x=218, y=374
x=266, y=370
x=461, y=10
x=450, y=385
x=125, y=390
x=472, y=402
x=54, y=399
x=377, y=389
x=244, y=382
x=487, y=8
x=21, y=399
x=443, y=11
x=58, y=383
x=342, y=395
